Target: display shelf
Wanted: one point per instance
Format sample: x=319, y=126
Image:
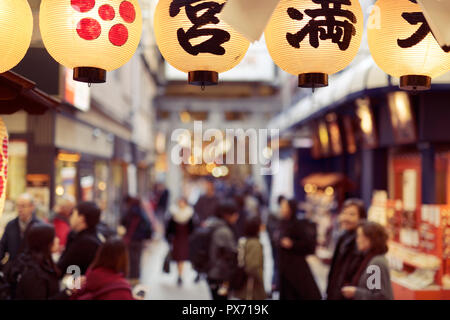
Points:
x=413, y=257
x=403, y=293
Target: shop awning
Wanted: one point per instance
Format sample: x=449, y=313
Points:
x=361, y=79
x=18, y=93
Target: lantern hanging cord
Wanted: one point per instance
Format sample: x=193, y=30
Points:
x=89, y=84
x=203, y=86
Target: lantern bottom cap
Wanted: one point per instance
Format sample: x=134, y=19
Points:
x=312, y=80
x=415, y=83
x=89, y=75
x=203, y=78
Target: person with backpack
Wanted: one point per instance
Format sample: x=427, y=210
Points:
x=139, y=229
x=105, y=278
x=222, y=250
x=297, y=239
x=179, y=228
x=33, y=274
x=251, y=263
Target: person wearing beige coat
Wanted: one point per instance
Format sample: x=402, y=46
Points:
x=253, y=260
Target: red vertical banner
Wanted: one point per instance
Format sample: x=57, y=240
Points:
x=3, y=163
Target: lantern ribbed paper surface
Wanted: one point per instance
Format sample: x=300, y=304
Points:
x=3, y=163
x=91, y=33
x=16, y=28
x=314, y=36
x=200, y=41
x=402, y=43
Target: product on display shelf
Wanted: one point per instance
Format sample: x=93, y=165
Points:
x=419, y=248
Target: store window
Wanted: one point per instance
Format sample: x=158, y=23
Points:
x=101, y=179
x=66, y=175
x=17, y=182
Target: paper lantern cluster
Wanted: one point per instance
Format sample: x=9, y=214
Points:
x=314, y=38
x=403, y=45
x=16, y=28
x=308, y=38
x=91, y=36
x=3, y=164
x=193, y=39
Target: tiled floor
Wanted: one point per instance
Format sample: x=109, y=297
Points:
x=163, y=286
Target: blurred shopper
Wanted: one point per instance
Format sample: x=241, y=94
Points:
x=206, y=205
x=346, y=258
x=273, y=229
x=105, y=279
x=222, y=250
x=371, y=281
x=239, y=227
x=250, y=256
x=139, y=229
x=297, y=240
x=82, y=242
x=162, y=200
x=61, y=221
x=13, y=241
x=179, y=228
x=34, y=275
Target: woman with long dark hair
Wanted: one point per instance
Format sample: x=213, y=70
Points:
x=34, y=275
x=106, y=277
x=296, y=241
x=372, y=280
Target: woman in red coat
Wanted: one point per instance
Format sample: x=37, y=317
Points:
x=105, y=279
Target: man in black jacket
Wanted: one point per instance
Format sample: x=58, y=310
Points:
x=82, y=242
x=207, y=204
x=13, y=241
x=346, y=258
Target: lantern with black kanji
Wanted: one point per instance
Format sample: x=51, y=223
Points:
x=192, y=38
x=16, y=28
x=3, y=163
x=91, y=36
x=403, y=46
x=314, y=38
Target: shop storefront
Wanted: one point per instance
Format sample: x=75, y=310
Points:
x=21, y=106
x=393, y=147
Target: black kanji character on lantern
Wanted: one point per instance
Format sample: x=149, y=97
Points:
x=415, y=18
x=217, y=37
x=324, y=25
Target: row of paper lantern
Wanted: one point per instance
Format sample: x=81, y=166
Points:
x=308, y=38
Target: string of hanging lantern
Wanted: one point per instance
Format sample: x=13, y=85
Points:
x=308, y=38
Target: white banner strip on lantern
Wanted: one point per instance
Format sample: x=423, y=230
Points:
x=249, y=17
x=437, y=13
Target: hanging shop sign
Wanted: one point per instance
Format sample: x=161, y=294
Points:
x=437, y=13
x=249, y=17
x=91, y=36
x=314, y=38
x=16, y=28
x=3, y=164
x=403, y=46
x=193, y=38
